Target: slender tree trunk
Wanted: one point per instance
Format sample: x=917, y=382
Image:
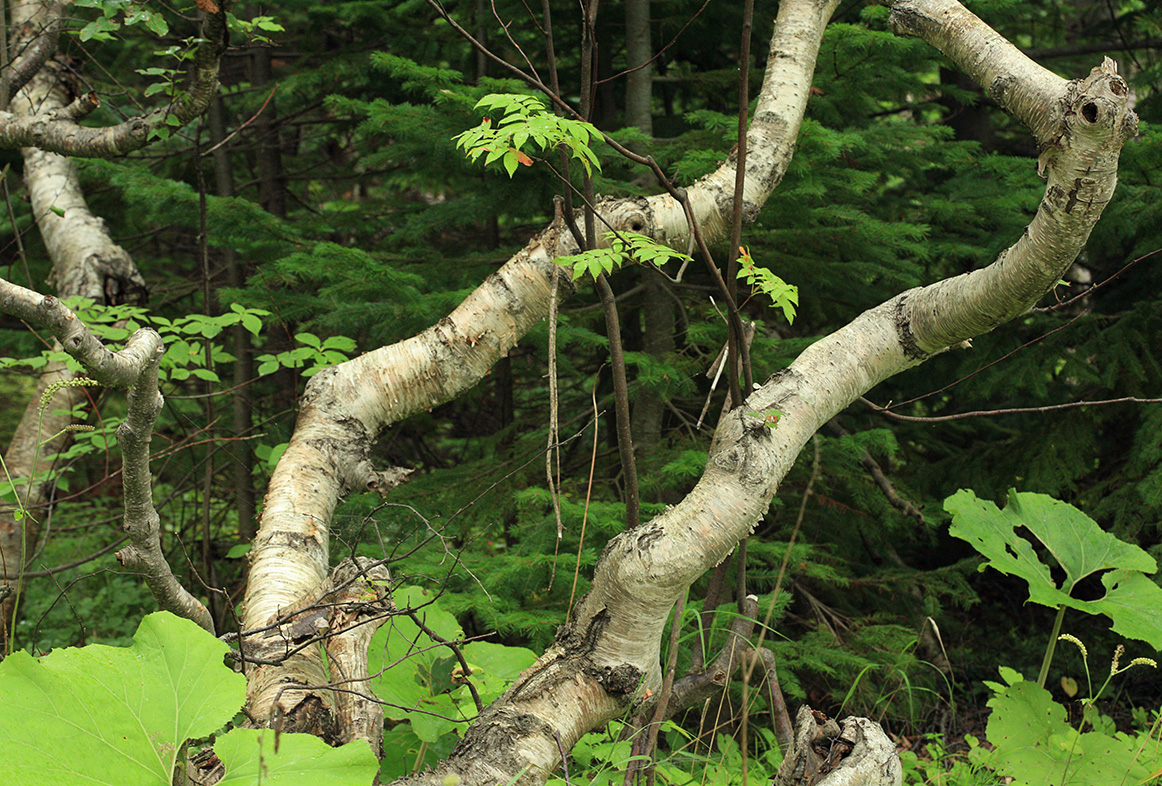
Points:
x=241, y=455
x=639, y=88
x=657, y=316
x=268, y=157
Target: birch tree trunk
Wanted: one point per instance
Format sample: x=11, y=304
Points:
x=344, y=408
x=606, y=660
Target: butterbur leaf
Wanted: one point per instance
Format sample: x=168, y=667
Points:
x=1132, y=601
x=114, y=715
x=1035, y=744
x=301, y=760
x=404, y=659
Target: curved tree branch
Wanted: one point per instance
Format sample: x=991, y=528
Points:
x=36, y=41
x=342, y=415
x=57, y=129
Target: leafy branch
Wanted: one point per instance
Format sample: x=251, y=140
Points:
x=526, y=122
x=761, y=279
x=623, y=247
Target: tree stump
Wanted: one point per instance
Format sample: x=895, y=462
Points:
x=852, y=752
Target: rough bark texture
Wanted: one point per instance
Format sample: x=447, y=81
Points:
x=362, y=604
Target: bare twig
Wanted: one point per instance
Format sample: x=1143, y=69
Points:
x=1009, y=411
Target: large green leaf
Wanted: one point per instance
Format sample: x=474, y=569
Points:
x=1132, y=601
x=1035, y=746
x=114, y=715
x=301, y=760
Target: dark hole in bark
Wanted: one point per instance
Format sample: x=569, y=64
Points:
x=1089, y=112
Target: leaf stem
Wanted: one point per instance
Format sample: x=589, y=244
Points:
x=1049, y=650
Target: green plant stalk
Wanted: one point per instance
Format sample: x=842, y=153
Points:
x=1049, y=650
x=181, y=765
x=423, y=750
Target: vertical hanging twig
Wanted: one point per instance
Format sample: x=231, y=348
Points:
x=208, y=306
x=553, y=455
x=563, y=206
x=738, y=353
x=621, y=404
x=588, y=493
